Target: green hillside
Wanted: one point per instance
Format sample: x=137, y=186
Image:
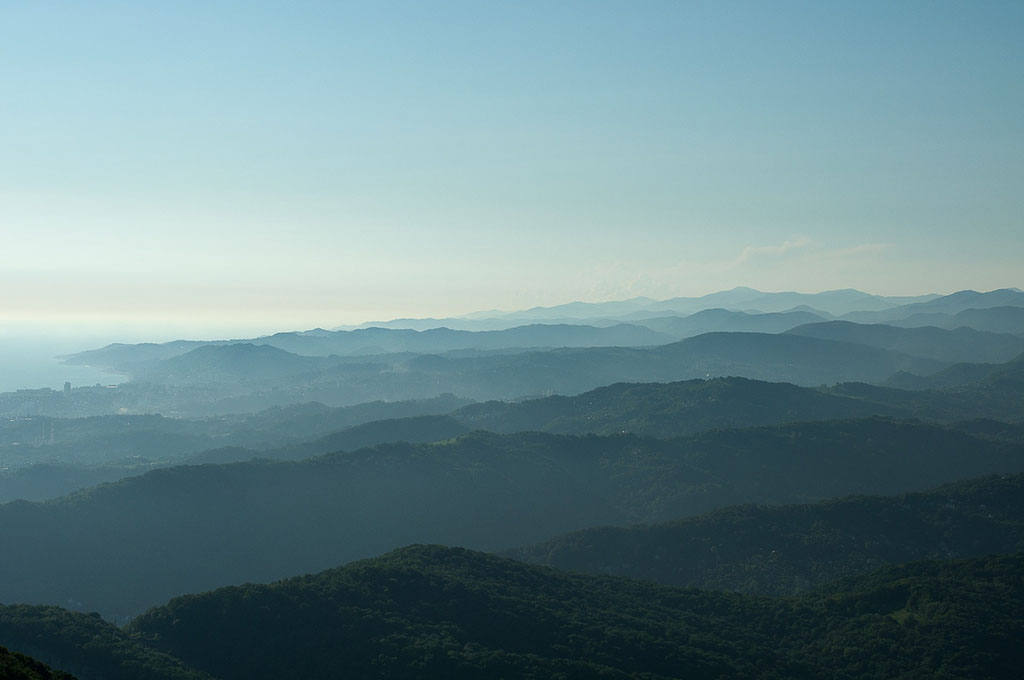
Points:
x=15, y=666
x=85, y=645
x=429, y=611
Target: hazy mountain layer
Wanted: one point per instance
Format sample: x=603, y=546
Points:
x=994, y=319
x=835, y=302
x=947, y=304
x=959, y=345
x=241, y=378
x=85, y=451
x=762, y=356
x=122, y=547
x=789, y=549
x=128, y=438
x=719, y=320
x=962, y=391
x=139, y=360
x=47, y=457
x=416, y=430
x=998, y=311
x=669, y=409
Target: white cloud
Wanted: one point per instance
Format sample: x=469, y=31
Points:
x=786, y=247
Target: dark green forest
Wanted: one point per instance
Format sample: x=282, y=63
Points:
x=428, y=611
x=86, y=645
x=15, y=666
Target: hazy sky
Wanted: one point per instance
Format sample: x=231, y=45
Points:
x=294, y=164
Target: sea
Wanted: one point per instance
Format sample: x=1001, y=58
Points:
x=31, y=362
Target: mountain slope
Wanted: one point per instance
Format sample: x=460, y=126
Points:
x=86, y=645
x=429, y=611
x=15, y=666
x=669, y=409
x=415, y=429
x=788, y=549
x=141, y=359
x=122, y=547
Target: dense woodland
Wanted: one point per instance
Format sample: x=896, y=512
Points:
x=431, y=611
x=748, y=485
x=16, y=666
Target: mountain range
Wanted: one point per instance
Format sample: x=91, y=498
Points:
x=122, y=547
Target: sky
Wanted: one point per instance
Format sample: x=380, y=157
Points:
x=254, y=166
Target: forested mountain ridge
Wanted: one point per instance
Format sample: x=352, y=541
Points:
x=121, y=547
x=85, y=645
x=670, y=409
x=432, y=611
x=414, y=430
x=16, y=666
x=444, y=612
x=784, y=550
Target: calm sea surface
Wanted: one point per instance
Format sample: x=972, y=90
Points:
x=30, y=362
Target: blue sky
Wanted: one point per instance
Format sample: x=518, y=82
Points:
x=267, y=165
